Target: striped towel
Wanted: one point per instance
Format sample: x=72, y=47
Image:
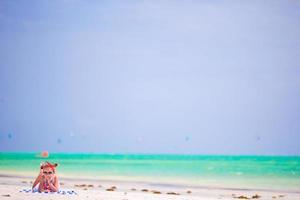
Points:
x=62, y=192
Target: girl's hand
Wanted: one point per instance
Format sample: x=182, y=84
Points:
x=49, y=179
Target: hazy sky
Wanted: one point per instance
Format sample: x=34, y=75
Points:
x=201, y=77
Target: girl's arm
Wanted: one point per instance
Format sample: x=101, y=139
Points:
x=37, y=180
x=54, y=187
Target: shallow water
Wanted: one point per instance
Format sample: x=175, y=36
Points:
x=266, y=172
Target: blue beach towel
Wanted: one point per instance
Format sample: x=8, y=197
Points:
x=62, y=192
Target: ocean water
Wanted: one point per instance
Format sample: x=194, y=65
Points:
x=263, y=172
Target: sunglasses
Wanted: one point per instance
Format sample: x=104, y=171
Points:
x=48, y=172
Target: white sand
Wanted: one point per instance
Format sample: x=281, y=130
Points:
x=10, y=187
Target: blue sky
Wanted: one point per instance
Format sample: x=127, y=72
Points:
x=192, y=77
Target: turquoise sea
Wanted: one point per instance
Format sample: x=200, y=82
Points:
x=263, y=172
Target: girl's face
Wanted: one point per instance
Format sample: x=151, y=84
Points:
x=47, y=171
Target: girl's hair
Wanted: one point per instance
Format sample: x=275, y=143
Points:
x=48, y=164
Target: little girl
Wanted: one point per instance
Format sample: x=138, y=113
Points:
x=47, y=180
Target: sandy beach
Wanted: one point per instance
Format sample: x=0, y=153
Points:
x=10, y=187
